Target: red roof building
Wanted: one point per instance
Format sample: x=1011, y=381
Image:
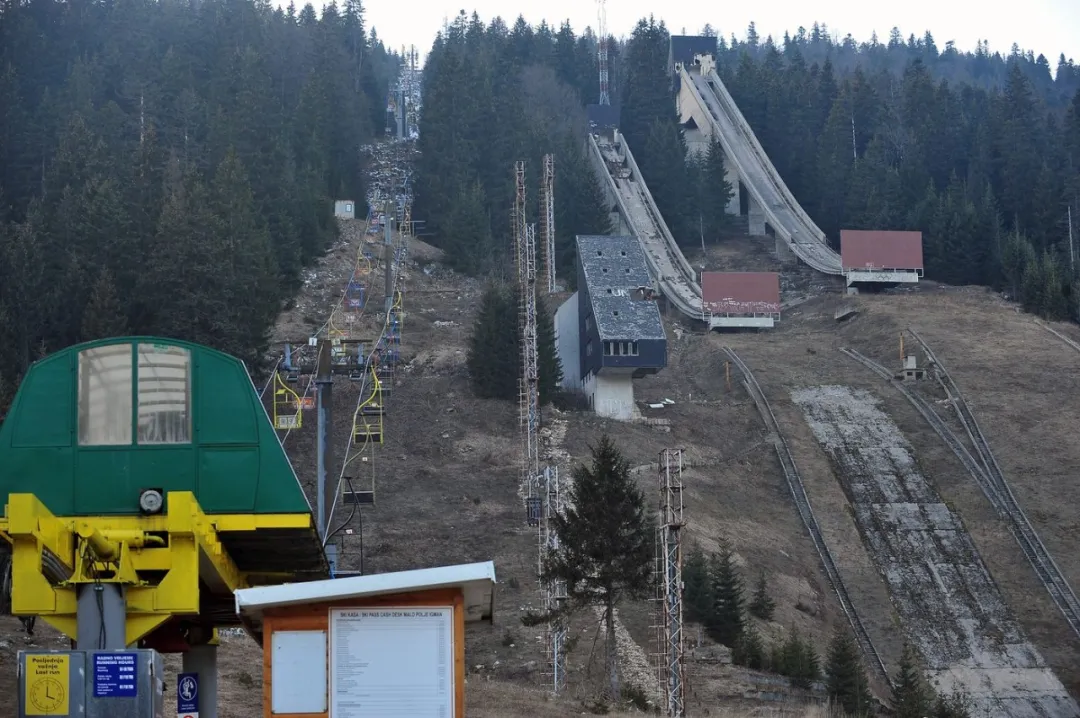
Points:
x=741, y=299
x=871, y=250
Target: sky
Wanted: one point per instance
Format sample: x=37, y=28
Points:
x=1050, y=27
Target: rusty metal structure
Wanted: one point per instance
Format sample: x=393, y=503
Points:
x=547, y=220
x=669, y=626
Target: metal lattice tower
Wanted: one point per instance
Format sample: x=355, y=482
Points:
x=552, y=593
x=547, y=220
x=529, y=417
x=602, y=55
x=669, y=627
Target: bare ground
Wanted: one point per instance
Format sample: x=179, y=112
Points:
x=447, y=479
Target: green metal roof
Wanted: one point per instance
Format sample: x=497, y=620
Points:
x=167, y=414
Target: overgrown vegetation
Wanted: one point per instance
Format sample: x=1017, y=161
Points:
x=495, y=347
x=169, y=168
x=605, y=551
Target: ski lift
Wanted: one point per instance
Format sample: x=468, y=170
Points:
x=287, y=406
x=534, y=509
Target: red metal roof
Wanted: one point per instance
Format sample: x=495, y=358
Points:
x=870, y=249
x=741, y=292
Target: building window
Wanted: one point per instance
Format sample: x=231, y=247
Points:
x=105, y=375
x=588, y=324
x=607, y=349
x=620, y=349
x=588, y=349
x=164, y=389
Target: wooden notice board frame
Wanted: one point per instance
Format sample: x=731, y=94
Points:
x=316, y=617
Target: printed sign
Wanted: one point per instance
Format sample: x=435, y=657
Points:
x=115, y=675
x=47, y=681
x=187, y=695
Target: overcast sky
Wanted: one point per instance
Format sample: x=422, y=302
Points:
x=1050, y=27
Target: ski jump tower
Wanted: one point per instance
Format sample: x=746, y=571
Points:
x=540, y=485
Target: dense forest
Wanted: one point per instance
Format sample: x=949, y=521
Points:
x=169, y=167
x=979, y=151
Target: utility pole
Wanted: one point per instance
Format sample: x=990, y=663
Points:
x=1072, y=249
x=324, y=381
x=602, y=55
x=388, y=255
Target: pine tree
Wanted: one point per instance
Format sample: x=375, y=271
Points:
x=493, y=347
x=911, y=697
x=847, y=684
x=955, y=705
x=715, y=191
x=103, y=316
x=726, y=619
x=549, y=367
x=697, y=589
x=749, y=651
x=799, y=660
x=605, y=542
x=762, y=604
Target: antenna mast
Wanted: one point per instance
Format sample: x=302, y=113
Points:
x=547, y=220
x=603, y=55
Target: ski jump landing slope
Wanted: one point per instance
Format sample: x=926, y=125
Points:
x=716, y=114
x=623, y=184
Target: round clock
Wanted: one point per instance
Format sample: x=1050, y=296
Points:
x=47, y=695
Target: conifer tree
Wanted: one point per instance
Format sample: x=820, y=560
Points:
x=911, y=696
x=799, y=660
x=762, y=605
x=726, y=618
x=749, y=651
x=847, y=684
x=697, y=588
x=605, y=542
x=549, y=367
x=103, y=316
x=493, y=347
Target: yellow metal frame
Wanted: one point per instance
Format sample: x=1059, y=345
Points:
x=288, y=413
x=368, y=425
x=184, y=543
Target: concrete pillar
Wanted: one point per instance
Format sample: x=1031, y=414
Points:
x=731, y=174
x=101, y=617
x=203, y=661
x=783, y=251
x=756, y=217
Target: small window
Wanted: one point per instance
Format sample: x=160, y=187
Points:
x=105, y=375
x=633, y=349
x=628, y=270
x=599, y=253
x=164, y=394
x=588, y=324
x=604, y=270
x=588, y=349
x=616, y=312
x=623, y=253
x=607, y=349
x=609, y=290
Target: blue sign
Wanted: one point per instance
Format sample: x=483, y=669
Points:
x=116, y=675
x=187, y=693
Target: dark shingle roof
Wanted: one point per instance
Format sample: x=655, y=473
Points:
x=614, y=268
x=613, y=262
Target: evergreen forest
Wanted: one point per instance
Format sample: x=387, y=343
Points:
x=980, y=151
x=169, y=167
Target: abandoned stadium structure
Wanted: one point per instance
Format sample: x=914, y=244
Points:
x=881, y=257
x=609, y=332
x=740, y=300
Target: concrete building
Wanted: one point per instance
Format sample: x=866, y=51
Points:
x=345, y=209
x=609, y=332
x=741, y=300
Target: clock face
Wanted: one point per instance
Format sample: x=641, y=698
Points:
x=47, y=694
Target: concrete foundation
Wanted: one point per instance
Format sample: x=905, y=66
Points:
x=884, y=277
x=742, y=322
x=611, y=394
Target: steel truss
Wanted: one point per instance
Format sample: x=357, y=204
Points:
x=547, y=220
x=669, y=626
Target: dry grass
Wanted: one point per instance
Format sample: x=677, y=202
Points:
x=447, y=479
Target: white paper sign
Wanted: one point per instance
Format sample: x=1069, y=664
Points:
x=392, y=663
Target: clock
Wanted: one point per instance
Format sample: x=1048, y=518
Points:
x=48, y=695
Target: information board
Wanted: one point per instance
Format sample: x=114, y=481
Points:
x=115, y=675
x=187, y=695
x=47, y=680
x=392, y=663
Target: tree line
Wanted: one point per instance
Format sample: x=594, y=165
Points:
x=714, y=597
x=988, y=172
x=169, y=168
